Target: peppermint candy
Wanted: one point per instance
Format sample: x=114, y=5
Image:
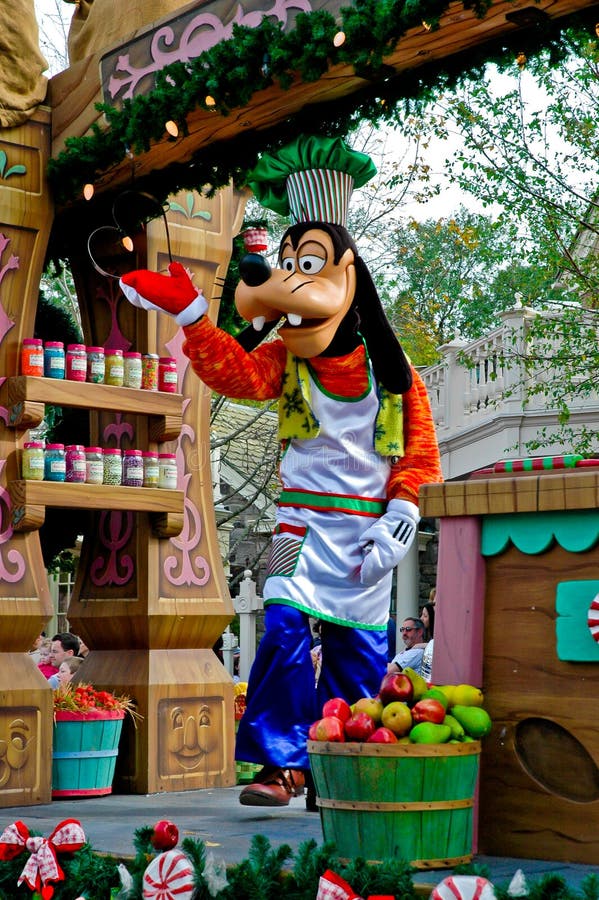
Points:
x=169, y=877
x=593, y=617
x=464, y=887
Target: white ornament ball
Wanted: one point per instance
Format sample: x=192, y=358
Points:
x=168, y=877
x=464, y=887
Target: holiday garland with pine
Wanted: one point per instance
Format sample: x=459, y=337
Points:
x=253, y=59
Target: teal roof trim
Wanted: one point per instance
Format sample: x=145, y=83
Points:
x=532, y=533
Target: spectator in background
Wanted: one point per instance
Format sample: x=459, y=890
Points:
x=34, y=652
x=44, y=665
x=412, y=635
x=65, y=673
x=64, y=645
x=427, y=615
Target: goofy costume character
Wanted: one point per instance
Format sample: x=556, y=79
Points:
x=357, y=442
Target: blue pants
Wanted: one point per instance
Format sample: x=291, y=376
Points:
x=282, y=698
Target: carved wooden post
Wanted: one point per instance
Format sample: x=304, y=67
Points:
x=151, y=600
x=26, y=699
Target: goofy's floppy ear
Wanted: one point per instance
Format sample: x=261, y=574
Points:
x=390, y=364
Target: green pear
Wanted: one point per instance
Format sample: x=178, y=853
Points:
x=457, y=730
x=430, y=733
x=475, y=720
x=418, y=683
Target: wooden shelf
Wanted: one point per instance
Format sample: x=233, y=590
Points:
x=26, y=396
x=29, y=500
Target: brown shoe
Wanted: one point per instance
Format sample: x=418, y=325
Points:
x=273, y=788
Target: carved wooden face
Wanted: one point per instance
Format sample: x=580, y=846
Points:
x=191, y=735
x=309, y=289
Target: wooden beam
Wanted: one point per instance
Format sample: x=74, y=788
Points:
x=73, y=93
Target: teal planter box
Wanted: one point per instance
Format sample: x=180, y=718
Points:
x=84, y=752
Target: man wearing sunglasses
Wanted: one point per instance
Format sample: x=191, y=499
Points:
x=412, y=635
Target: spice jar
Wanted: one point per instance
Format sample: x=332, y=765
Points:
x=54, y=462
x=132, y=370
x=76, y=363
x=150, y=461
x=94, y=465
x=133, y=468
x=167, y=374
x=114, y=368
x=113, y=466
x=75, y=463
x=96, y=365
x=32, y=357
x=32, y=467
x=149, y=372
x=167, y=471
x=54, y=359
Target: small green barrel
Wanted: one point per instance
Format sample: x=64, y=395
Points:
x=397, y=801
x=84, y=752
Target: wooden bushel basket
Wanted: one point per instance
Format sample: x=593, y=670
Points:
x=397, y=801
x=84, y=752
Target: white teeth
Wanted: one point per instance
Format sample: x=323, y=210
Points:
x=258, y=322
x=294, y=319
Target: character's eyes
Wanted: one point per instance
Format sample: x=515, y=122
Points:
x=288, y=264
x=310, y=264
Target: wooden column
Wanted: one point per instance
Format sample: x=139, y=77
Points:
x=151, y=598
x=25, y=606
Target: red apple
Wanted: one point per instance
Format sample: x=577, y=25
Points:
x=382, y=736
x=372, y=706
x=396, y=686
x=337, y=707
x=428, y=710
x=329, y=728
x=312, y=731
x=359, y=727
x=165, y=835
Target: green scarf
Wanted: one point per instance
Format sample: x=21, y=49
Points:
x=297, y=420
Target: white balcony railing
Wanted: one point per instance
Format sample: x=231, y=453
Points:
x=480, y=407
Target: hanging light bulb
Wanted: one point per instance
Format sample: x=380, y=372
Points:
x=339, y=39
x=426, y=26
x=172, y=128
x=521, y=60
x=127, y=243
x=88, y=190
x=209, y=101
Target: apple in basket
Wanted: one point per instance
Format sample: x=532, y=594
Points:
x=428, y=710
x=397, y=718
x=360, y=727
x=382, y=736
x=396, y=686
x=329, y=728
x=372, y=706
x=337, y=706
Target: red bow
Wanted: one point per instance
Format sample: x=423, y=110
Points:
x=42, y=866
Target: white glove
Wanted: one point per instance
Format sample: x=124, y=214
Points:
x=387, y=541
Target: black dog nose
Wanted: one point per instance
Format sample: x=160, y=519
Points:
x=254, y=269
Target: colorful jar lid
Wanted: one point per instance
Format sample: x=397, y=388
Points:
x=112, y=351
x=167, y=360
x=167, y=456
x=111, y=451
x=132, y=354
x=33, y=445
x=133, y=453
x=32, y=342
x=95, y=349
x=54, y=345
x=74, y=447
x=75, y=346
x=93, y=449
x=54, y=446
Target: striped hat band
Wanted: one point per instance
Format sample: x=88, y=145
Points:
x=319, y=195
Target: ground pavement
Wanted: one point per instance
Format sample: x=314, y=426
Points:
x=216, y=817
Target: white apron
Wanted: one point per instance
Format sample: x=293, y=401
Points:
x=333, y=488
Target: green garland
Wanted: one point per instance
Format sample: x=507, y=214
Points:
x=253, y=59
x=271, y=874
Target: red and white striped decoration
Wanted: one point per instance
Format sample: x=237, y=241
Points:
x=593, y=618
x=464, y=887
x=319, y=195
x=169, y=877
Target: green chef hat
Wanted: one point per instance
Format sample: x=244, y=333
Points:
x=311, y=179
